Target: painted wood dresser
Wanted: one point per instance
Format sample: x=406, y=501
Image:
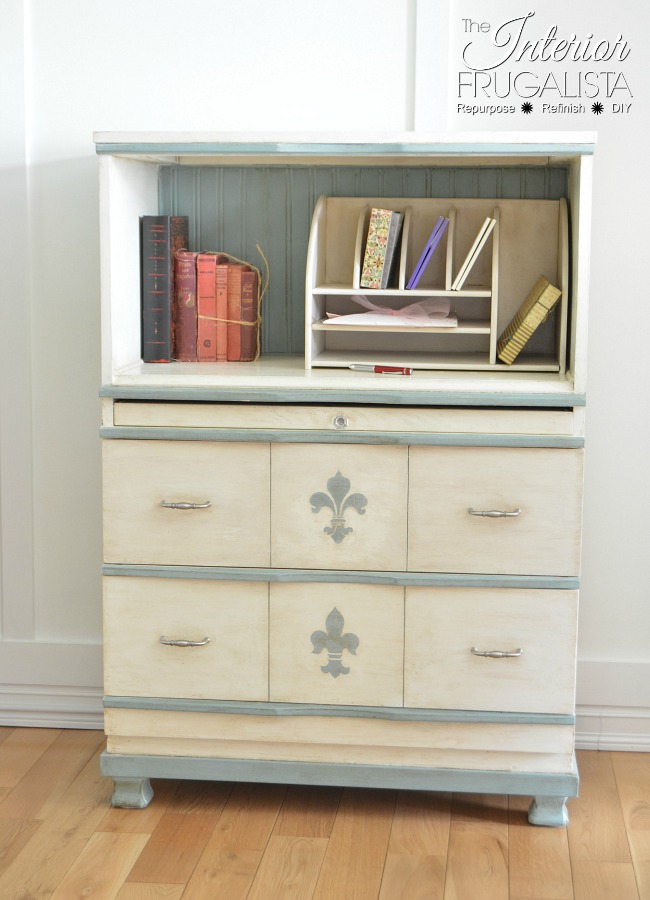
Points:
x=326, y=576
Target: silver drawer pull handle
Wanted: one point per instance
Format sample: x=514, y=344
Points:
x=340, y=421
x=494, y=513
x=497, y=654
x=168, y=505
x=168, y=642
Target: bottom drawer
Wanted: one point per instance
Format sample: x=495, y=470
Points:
x=342, y=739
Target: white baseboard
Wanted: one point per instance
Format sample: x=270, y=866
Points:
x=51, y=684
x=51, y=707
x=613, y=709
x=612, y=728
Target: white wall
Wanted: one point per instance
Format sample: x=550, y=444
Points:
x=74, y=67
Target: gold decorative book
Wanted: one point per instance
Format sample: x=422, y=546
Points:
x=381, y=246
x=530, y=315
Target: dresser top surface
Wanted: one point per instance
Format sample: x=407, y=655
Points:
x=556, y=145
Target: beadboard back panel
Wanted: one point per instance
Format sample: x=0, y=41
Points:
x=234, y=208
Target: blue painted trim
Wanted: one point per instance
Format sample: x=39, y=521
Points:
x=396, y=713
x=400, y=579
x=549, y=400
x=548, y=811
x=132, y=793
x=313, y=436
x=341, y=774
x=351, y=149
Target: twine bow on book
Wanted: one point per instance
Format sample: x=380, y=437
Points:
x=262, y=285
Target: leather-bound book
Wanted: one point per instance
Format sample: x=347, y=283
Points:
x=180, y=237
x=160, y=238
x=249, y=314
x=156, y=271
x=184, y=309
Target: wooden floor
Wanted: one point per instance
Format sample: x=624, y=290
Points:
x=59, y=837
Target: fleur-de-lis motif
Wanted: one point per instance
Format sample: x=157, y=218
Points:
x=338, y=487
x=335, y=642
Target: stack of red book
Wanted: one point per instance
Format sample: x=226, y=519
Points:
x=196, y=307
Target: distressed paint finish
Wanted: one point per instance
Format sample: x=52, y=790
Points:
x=446, y=483
x=121, y=433
x=309, y=576
x=402, y=145
x=442, y=626
x=398, y=713
x=131, y=793
x=232, y=664
x=550, y=811
x=233, y=479
x=549, y=790
x=419, y=393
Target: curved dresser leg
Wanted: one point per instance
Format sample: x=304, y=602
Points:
x=131, y=793
x=548, y=811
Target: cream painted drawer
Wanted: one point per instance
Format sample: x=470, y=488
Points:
x=233, y=616
x=539, y=489
x=281, y=416
x=336, y=644
x=442, y=625
x=338, y=506
x=229, y=482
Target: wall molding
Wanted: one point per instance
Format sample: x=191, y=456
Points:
x=16, y=443
x=49, y=706
x=60, y=684
x=613, y=728
x=613, y=711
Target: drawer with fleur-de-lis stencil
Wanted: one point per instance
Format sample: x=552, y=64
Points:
x=338, y=506
x=337, y=644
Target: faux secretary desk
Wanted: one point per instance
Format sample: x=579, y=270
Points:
x=327, y=576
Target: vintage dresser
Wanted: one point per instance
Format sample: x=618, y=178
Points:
x=319, y=575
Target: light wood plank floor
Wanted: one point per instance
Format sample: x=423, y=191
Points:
x=59, y=837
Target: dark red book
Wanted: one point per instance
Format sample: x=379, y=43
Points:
x=249, y=314
x=184, y=308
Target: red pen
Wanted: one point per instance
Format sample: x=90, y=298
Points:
x=382, y=370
